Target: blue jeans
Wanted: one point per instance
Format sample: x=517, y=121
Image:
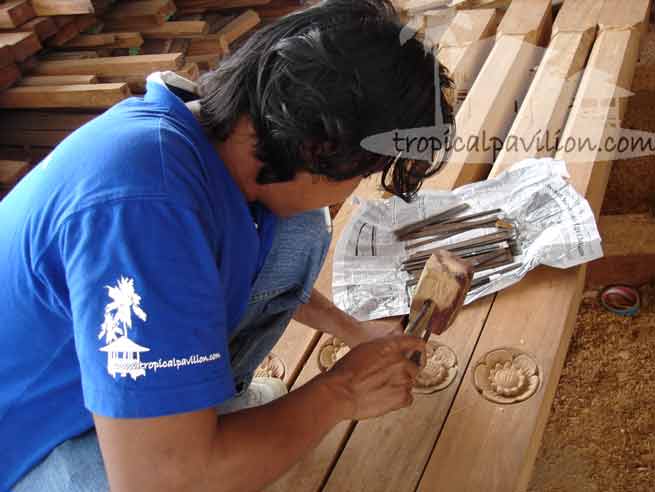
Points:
x=286, y=280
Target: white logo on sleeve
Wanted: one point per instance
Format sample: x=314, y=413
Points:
x=123, y=354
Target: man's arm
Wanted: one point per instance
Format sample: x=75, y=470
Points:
x=322, y=315
x=247, y=450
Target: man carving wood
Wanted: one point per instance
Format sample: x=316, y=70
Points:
x=152, y=260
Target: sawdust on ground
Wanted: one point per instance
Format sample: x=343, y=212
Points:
x=601, y=432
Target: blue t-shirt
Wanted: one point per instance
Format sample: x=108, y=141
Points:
x=127, y=259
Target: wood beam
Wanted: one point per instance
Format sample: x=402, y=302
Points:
x=15, y=13
x=6, y=56
x=485, y=116
x=11, y=172
x=543, y=113
x=239, y=26
x=112, y=66
x=481, y=447
x=39, y=80
x=175, y=29
x=43, y=27
x=22, y=44
x=126, y=40
x=91, y=40
x=9, y=75
x=464, y=60
x=63, y=7
x=132, y=15
x=64, y=96
x=42, y=120
x=64, y=34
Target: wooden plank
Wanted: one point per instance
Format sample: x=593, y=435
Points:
x=481, y=447
x=62, y=20
x=66, y=55
x=152, y=10
x=26, y=66
x=618, y=14
x=180, y=45
x=401, y=442
x=91, y=40
x=39, y=80
x=85, y=22
x=11, y=172
x=131, y=15
x=490, y=106
x=277, y=8
x=112, y=66
x=528, y=19
x=15, y=13
x=32, y=155
x=176, y=29
x=543, y=113
x=126, y=40
x=215, y=44
x=42, y=120
x=65, y=33
x=43, y=27
x=6, y=56
x=64, y=96
x=63, y=7
x=22, y=44
x=476, y=4
x=573, y=18
x=200, y=6
x=464, y=60
x=239, y=26
x=28, y=137
x=156, y=46
x=9, y=75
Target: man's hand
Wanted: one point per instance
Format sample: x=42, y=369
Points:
x=366, y=331
x=376, y=377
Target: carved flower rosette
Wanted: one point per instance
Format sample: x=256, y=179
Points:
x=330, y=352
x=439, y=371
x=506, y=376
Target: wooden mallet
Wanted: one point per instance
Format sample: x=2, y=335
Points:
x=439, y=296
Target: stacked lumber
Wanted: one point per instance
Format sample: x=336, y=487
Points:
x=62, y=62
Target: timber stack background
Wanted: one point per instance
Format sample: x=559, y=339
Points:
x=64, y=62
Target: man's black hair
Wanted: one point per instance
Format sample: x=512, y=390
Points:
x=317, y=82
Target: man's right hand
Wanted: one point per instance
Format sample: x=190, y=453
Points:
x=376, y=377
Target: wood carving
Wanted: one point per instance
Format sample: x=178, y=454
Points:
x=439, y=371
x=271, y=367
x=507, y=376
x=330, y=352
